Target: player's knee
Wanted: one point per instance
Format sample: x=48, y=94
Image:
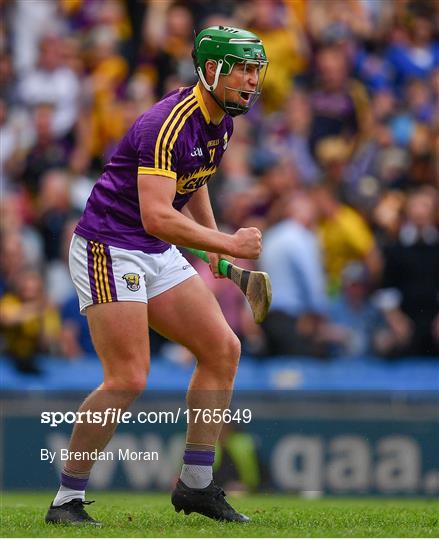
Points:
x=131, y=384
x=136, y=385
x=225, y=362
x=232, y=348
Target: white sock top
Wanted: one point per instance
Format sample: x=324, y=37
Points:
x=65, y=495
x=196, y=476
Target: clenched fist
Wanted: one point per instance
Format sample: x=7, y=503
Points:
x=248, y=243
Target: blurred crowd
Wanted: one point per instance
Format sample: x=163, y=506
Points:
x=337, y=164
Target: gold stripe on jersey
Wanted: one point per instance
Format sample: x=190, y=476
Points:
x=179, y=128
x=190, y=103
x=158, y=172
x=165, y=126
x=199, y=96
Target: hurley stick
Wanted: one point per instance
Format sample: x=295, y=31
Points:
x=255, y=285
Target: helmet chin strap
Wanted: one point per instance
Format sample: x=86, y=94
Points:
x=211, y=89
x=207, y=86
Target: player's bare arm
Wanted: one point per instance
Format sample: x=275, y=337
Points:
x=160, y=219
x=200, y=209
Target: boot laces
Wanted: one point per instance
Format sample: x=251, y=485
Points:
x=80, y=506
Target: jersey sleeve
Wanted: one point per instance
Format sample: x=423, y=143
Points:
x=154, y=143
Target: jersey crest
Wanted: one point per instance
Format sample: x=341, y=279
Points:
x=193, y=181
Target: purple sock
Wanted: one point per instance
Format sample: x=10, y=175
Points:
x=70, y=482
x=199, y=457
x=196, y=472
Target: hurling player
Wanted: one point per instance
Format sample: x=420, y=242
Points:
x=129, y=274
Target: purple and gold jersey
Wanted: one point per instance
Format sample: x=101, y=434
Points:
x=175, y=139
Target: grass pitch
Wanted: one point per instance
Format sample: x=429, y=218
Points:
x=151, y=515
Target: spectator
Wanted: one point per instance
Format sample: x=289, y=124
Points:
x=387, y=217
x=391, y=166
x=417, y=54
x=345, y=237
x=298, y=118
x=30, y=21
x=29, y=324
x=12, y=255
x=81, y=179
x=262, y=204
x=349, y=173
x=419, y=100
x=14, y=139
x=14, y=229
x=356, y=327
x=171, y=43
x=291, y=256
x=339, y=104
x=410, y=285
x=423, y=169
x=333, y=155
x=277, y=180
x=52, y=82
x=58, y=282
x=108, y=70
x=339, y=17
x=8, y=79
x=236, y=163
x=286, y=46
x=370, y=68
x=75, y=335
x=45, y=153
x=54, y=208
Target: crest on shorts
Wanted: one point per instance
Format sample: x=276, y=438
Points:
x=132, y=281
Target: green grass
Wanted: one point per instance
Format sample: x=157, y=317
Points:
x=151, y=515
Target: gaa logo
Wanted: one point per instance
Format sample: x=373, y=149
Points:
x=132, y=281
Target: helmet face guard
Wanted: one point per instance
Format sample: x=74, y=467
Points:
x=228, y=47
x=244, y=99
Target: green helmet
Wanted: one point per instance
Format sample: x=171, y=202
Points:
x=228, y=46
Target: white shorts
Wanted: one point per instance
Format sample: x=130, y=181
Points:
x=103, y=273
